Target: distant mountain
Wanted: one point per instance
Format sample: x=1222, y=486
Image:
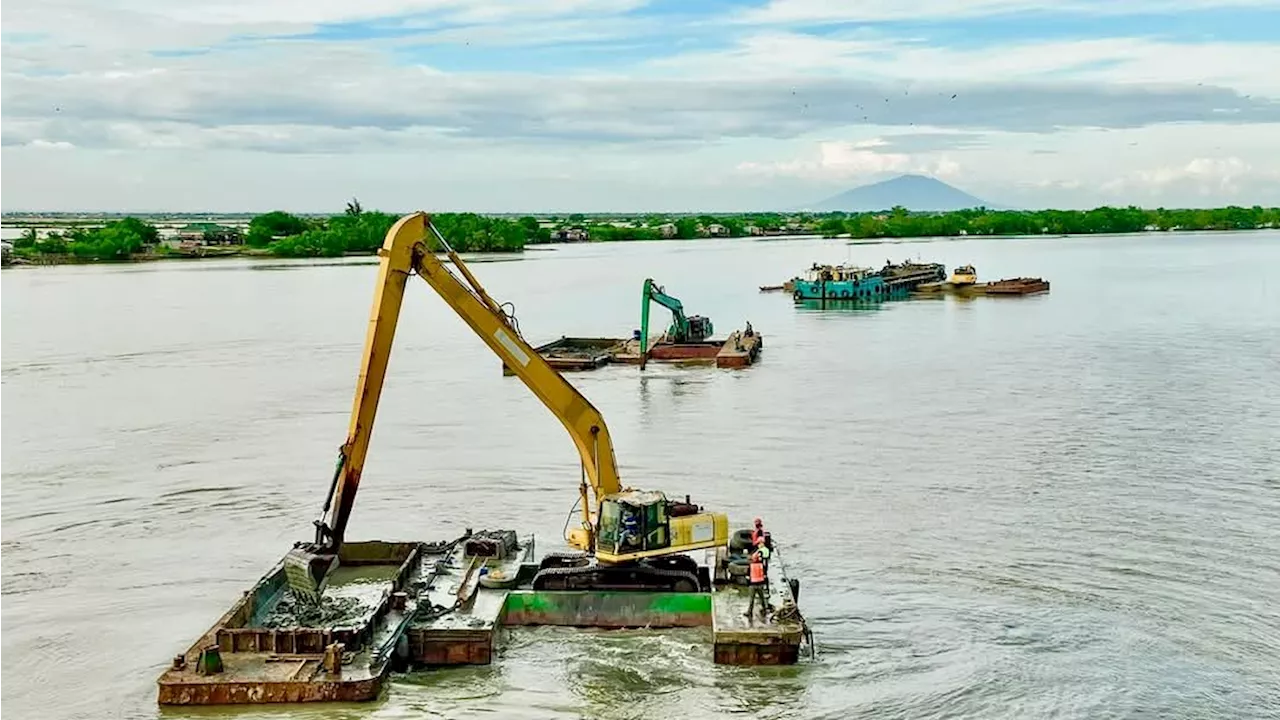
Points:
x=914, y=192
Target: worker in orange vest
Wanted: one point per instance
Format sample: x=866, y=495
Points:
x=759, y=579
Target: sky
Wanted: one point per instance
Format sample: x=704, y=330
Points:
x=633, y=105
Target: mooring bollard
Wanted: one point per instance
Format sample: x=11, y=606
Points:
x=210, y=662
x=333, y=658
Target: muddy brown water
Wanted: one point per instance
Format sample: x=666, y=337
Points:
x=1061, y=506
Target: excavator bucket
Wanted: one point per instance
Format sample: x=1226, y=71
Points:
x=307, y=572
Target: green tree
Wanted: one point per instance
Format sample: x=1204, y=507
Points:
x=686, y=228
x=27, y=240
x=276, y=224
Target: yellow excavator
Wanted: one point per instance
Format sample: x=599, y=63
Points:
x=627, y=539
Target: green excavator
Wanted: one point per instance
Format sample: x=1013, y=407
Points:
x=684, y=329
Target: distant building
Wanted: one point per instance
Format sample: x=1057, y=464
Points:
x=753, y=230
x=206, y=233
x=717, y=230
x=570, y=235
x=667, y=230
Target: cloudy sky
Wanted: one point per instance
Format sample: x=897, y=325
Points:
x=559, y=105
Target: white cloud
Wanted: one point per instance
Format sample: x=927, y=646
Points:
x=792, y=111
x=845, y=161
x=1204, y=175
x=50, y=145
x=825, y=11
x=912, y=66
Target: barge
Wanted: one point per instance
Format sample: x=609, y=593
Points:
x=741, y=349
x=687, y=340
x=577, y=353
x=422, y=605
x=964, y=283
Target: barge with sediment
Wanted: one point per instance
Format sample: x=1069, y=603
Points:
x=436, y=605
x=333, y=618
x=964, y=283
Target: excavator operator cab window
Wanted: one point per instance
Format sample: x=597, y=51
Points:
x=609, y=522
x=657, y=528
x=628, y=528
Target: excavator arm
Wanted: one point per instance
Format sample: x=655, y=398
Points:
x=580, y=418
x=683, y=328
x=406, y=252
x=654, y=293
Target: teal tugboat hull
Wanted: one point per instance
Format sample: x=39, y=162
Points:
x=865, y=289
x=853, y=284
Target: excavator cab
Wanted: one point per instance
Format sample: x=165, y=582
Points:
x=641, y=541
x=634, y=522
x=699, y=328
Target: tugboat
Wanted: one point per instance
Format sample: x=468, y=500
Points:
x=852, y=283
x=964, y=276
x=844, y=283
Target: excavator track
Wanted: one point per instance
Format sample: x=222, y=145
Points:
x=555, y=560
x=683, y=563
x=623, y=577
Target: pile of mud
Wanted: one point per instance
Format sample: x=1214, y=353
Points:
x=292, y=612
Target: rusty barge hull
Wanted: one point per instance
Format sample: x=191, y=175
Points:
x=575, y=353
x=1005, y=287
x=581, y=353
x=736, y=351
x=436, y=611
x=241, y=660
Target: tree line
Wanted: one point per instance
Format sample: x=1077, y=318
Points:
x=898, y=222
x=359, y=231
x=282, y=234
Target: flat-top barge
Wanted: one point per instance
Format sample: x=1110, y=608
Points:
x=440, y=604
x=686, y=341
x=964, y=283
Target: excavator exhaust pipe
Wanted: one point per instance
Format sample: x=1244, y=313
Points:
x=307, y=572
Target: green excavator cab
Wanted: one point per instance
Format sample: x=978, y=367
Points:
x=699, y=328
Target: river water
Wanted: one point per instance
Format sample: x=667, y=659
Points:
x=1059, y=506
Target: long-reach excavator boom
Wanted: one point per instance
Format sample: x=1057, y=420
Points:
x=683, y=329
x=654, y=526
x=406, y=253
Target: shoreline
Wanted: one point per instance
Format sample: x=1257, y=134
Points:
x=258, y=253
x=263, y=254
